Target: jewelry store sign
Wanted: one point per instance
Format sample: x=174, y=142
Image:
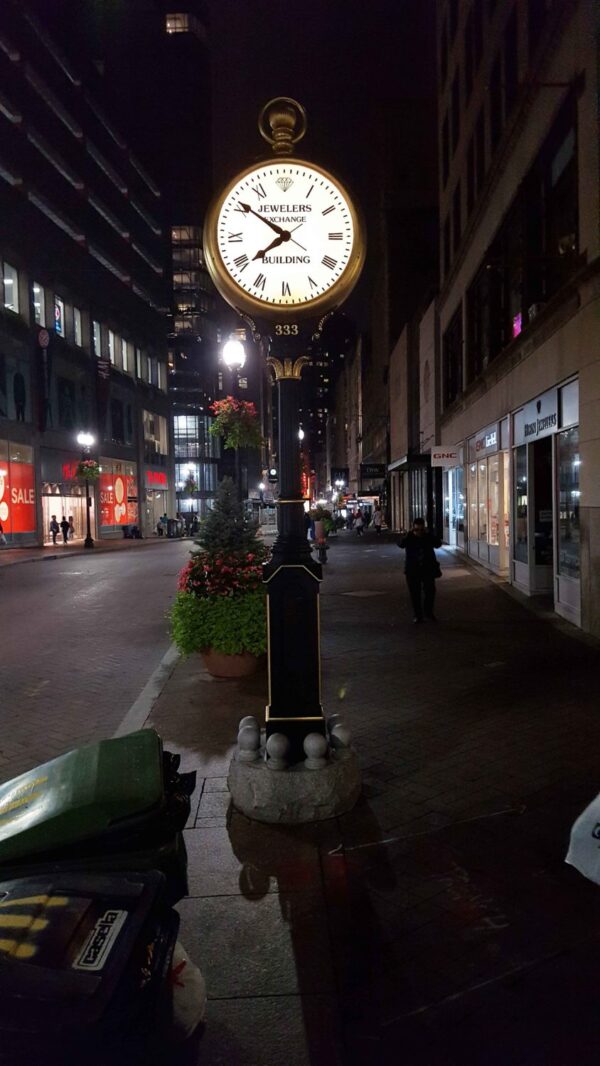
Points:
x=537, y=419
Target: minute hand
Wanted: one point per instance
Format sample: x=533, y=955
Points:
x=250, y=211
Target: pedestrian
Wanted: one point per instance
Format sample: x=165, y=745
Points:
x=421, y=568
x=378, y=520
x=54, y=528
x=71, y=528
x=358, y=524
x=160, y=527
x=64, y=525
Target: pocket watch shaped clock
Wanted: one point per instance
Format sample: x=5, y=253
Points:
x=284, y=239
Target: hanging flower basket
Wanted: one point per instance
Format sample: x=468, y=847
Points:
x=237, y=422
x=88, y=469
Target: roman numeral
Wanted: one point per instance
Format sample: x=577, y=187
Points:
x=237, y=237
x=335, y=236
x=327, y=261
x=285, y=289
x=309, y=191
x=260, y=282
x=328, y=210
x=313, y=284
x=241, y=262
x=260, y=192
x=241, y=210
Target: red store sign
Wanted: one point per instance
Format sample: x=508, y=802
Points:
x=118, y=500
x=17, y=497
x=156, y=479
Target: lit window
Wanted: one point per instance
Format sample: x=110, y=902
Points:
x=111, y=346
x=177, y=23
x=125, y=346
x=77, y=327
x=97, y=339
x=139, y=363
x=11, y=288
x=39, y=310
x=59, y=316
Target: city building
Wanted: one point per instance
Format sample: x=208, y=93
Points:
x=82, y=298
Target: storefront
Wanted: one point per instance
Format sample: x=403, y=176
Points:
x=17, y=493
x=156, y=499
x=414, y=492
x=546, y=461
x=63, y=496
x=118, y=488
x=451, y=461
x=488, y=496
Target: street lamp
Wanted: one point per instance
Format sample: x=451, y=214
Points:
x=85, y=442
x=301, y=434
x=234, y=357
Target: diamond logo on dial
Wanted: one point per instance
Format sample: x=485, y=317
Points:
x=285, y=233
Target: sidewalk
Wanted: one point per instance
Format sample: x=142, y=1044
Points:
x=436, y=924
x=13, y=556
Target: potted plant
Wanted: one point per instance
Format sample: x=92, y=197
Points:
x=220, y=608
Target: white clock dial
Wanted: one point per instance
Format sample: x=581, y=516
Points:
x=285, y=234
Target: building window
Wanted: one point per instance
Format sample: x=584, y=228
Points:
x=568, y=463
x=452, y=351
x=484, y=318
x=39, y=307
x=511, y=62
x=495, y=103
x=480, y=151
x=11, y=288
x=468, y=57
x=445, y=151
x=447, y=248
x=59, y=316
x=77, y=327
x=455, y=111
x=155, y=437
x=125, y=349
x=139, y=364
x=456, y=218
x=97, y=339
x=112, y=352
x=185, y=23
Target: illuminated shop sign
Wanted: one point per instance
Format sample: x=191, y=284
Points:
x=156, y=479
x=537, y=419
x=17, y=497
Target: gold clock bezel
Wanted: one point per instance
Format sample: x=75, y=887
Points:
x=241, y=300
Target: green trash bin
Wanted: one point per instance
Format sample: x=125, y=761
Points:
x=116, y=805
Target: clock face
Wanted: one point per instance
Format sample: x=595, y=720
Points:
x=286, y=234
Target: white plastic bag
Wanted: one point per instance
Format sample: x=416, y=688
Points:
x=584, y=846
x=189, y=993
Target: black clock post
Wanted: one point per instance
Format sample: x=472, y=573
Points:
x=292, y=578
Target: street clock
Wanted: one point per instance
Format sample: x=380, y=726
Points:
x=284, y=240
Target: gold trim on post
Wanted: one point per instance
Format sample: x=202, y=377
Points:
x=287, y=368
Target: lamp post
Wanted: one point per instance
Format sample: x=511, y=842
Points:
x=85, y=441
x=234, y=357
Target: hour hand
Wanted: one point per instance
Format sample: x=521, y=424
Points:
x=250, y=211
x=273, y=244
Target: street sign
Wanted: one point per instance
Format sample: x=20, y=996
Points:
x=43, y=338
x=444, y=456
x=371, y=470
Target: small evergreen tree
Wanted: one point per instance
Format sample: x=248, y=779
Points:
x=228, y=528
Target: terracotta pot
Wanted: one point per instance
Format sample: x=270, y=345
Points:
x=220, y=665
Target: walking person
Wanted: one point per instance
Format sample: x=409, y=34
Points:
x=378, y=520
x=421, y=568
x=54, y=528
x=71, y=528
x=358, y=524
x=64, y=525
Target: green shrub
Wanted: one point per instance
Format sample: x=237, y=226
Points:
x=228, y=624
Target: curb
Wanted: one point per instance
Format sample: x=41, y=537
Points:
x=77, y=552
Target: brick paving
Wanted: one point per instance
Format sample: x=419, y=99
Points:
x=436, y=924
x=81, y=634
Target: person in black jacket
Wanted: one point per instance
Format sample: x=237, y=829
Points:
x=421, y=568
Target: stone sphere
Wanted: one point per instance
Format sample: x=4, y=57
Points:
x=315, y=746
x=248, y=739
x=249, y=720
x=278, y=746
x=341, y=736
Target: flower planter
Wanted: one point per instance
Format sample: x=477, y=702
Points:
x=229, y=666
